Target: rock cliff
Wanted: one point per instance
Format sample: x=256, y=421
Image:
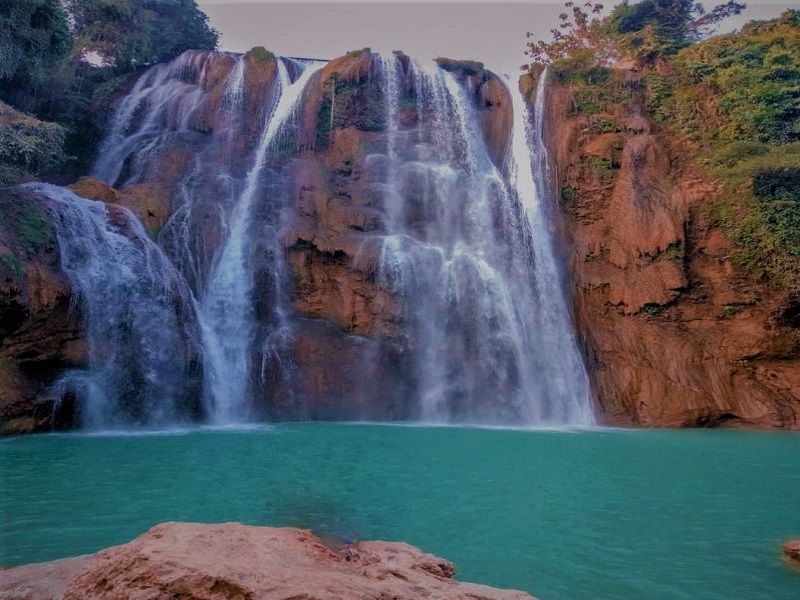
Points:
x=232, y=561
x=347, y=351
x=40, y=333
x=675, y=334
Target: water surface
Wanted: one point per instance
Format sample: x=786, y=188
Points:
x=669, y=515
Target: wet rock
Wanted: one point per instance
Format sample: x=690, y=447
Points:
x=232, y=561
x=151, y=203
x=40, y=331
x=497, y=117
x=791, y=552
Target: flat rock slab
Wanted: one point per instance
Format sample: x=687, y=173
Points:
x=230, y=561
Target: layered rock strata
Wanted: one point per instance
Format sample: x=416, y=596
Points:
x=675, y=334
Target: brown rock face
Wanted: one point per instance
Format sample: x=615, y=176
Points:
x=151, y=203
x=39, y=333
x=43, y=581
x=676, y=335
x=232, y=561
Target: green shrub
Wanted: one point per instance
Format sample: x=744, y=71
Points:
x=28, y=146
x=359, y=52
x=600, y=164
x=260, y=54
x=736, y=152
x=728, y=310
x=34, y=228
x=603, y=125
x=572, y=69
x=467, y=68
x=651, y=309
x=778, y=184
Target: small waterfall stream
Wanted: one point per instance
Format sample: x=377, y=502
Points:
x=485, y=315
x=566, y=373
x=484, y=330
x=141, y=326
x=226, y=309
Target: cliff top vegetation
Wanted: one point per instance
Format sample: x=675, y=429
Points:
x=736, y=97
x=58, y=58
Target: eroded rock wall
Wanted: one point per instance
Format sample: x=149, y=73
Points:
x=675, y=334
x=40, y=332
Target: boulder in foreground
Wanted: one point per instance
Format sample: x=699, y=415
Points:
x=231, y=561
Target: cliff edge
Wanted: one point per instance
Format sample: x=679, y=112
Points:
x=675, y=333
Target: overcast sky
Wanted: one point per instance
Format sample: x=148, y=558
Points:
x=490, y=32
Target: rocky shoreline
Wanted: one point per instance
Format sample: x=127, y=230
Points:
x=230, y=561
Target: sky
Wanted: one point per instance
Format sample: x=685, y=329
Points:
x=491, y=32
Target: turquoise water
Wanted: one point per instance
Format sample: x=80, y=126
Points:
x=605, y=515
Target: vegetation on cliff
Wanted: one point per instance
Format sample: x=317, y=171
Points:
x=60, y=61
x=28, y=145
x=736, y=97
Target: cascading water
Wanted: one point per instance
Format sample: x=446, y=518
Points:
x=160, y=105
x=486, y=320
x=140, y=321
x=227, y=311
x=482, y=331
x=565, y=369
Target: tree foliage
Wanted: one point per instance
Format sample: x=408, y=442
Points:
x=44, y=71
x=651, y=29
x=645, y=30
x=34, y=37
x=581, y=30
x=28, y=146
x=130, y=34
x=32, y=34
x=742, y=87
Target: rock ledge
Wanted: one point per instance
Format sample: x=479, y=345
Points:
x=230, y=561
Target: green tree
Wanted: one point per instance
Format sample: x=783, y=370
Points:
x=34, y=36
x=580, y=31
x=645, y=31
x=652, y=29
x=131, y=34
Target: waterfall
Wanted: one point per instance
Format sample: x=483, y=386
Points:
x=529, y=166
x=205, y=324
x=226, y=309
x=161, y=104
x=139, y=315
x=486, y=320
